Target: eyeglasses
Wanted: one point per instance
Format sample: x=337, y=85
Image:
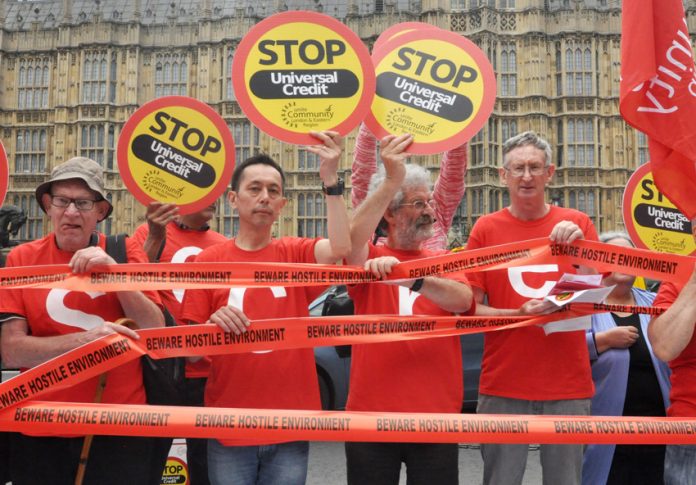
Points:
x=519, y=170
x=420, y=204
x=82, y=205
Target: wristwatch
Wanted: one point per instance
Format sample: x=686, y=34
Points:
x=334, y=189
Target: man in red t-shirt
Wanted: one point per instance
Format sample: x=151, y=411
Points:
x=283, y=379
x=169, y=237
x=40, y=324
x=525, y=371
x=411, y=376
x=673, y=340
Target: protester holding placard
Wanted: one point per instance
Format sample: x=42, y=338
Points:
x=672, y=336
x=169, y=237
x=40, y=324
x=447, y=193
x=267, y=379
x=524, y=371
x=408, y=376
x=629, y=380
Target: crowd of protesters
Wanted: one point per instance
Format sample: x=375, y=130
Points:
x=618, y=367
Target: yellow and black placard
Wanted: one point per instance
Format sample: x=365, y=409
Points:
x=175, y=472
x=434, y=84
x=297, y=72
x=651, y=220
x=176, y=150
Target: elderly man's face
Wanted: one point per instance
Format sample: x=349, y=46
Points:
x=526, y=174
x=73, y=227
x=412, y=222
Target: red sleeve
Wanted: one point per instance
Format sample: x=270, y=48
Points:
x=364, y=164
x=12, y=301
x=475, y=241
x=197, y=303
x=196, y=306
x=461, y=277
x=140, y=234
x=450, y=185
x=303, y=251
x=667, y=294
x=589, y=231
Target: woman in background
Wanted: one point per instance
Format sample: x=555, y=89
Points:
x=629, y=381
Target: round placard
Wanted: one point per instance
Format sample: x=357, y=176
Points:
x=4, y=173
x=651, y=220
x=297, y=72
x=434, y=84
x=398, y=29
x=176, y=150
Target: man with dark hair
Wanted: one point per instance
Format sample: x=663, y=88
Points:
x=284, y=379
x=412, y=376
x=260, y=159
x=40, y=324
x=170, y=237
x=524, y=371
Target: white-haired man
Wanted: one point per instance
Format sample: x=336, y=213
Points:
x=411, y=376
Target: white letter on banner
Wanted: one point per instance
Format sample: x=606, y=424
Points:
x=518, y=284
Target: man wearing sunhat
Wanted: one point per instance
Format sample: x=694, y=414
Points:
x=40, y=324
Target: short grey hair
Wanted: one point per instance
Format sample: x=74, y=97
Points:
x=416, y=176
x=607, y=236
x=527, y=138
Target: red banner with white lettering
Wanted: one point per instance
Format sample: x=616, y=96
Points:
x=658, y=93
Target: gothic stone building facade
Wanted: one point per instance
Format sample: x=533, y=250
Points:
x=73, y=71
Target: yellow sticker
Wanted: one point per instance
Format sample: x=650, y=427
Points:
x=175, y=472
x=651, y=220
x=176, y=150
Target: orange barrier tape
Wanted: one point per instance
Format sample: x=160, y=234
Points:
x=111, y=351
x=609, y=307
x=289, y=425
x=158, y=276
x=114, y=350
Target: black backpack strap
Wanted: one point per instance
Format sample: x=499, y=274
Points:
x=116, y=247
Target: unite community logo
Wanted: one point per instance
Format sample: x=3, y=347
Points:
x=294, y=115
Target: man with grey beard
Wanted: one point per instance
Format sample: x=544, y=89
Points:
x=414, y=375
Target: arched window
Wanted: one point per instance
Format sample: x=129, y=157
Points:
x=591, y=204
x=93, y=144
x=96, y=77
x=171, y=74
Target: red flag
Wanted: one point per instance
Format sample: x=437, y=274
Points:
x=658, y=93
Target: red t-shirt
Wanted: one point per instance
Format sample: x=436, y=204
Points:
x=51, y=312
x=409, y=376
x=182, y=245
x=525, y=363
x=683, y=393
x=282, y=379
